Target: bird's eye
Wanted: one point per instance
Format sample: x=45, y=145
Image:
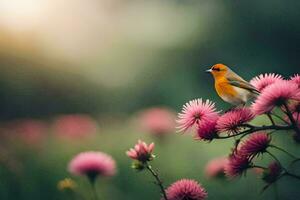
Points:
x=216, y=69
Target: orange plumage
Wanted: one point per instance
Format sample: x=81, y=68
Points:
x=230, y=86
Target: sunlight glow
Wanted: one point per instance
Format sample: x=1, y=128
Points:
x=21, y=14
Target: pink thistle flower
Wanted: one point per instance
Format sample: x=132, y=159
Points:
x=264, y=80
x=216, y=167
x=296, y=79
x=141, y=152
x=75, y=126
x=231, y=121
x=237, y=165
x=157, y=121
x=255, y=144
x=273, y=171
x=186, y=189
x=277, y=94
x=196, y=112
x=92, y=164
x=207, y=131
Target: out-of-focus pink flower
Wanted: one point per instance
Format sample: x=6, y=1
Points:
x=276, y=94
x=157, y=121
x=207, y=131
x=237, y=165
x=264, y=80
x=231, y=121
x=92, y=164
x=296, y=79
x=255, y=144
x=186, y=189
x=29, y=130
x=75, y=126
x=216, y=167
x=273, y=171
x=196, y=112
x=141, y=151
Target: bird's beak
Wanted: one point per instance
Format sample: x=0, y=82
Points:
x=208, y=71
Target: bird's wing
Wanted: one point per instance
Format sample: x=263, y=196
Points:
x=241, y=83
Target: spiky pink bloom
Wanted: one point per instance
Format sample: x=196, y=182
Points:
x=237, y=165
x=216, y=167
x=157, y=121
x=231, y=121
x=255, y=144
x=276, y=94
x=92, y=164
x=264, y=80
x=207, y=131
x=273, y=171
x=141, y=151
x=196, y=112
x=296, y=79
x=186, y=189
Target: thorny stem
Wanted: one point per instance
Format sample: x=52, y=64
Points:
x=158, y=180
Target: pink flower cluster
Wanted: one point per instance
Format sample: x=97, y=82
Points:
x=241, y=158
x=202, y=115
x=275, y=92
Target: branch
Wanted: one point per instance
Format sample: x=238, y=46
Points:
x=158, y=180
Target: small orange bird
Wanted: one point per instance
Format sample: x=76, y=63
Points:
x=230, y=86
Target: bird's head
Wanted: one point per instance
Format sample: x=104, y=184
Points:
x=218, y=70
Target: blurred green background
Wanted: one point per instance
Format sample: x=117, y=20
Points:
x=109, y=59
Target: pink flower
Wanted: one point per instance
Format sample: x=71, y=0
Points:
x=276, y=94
x=237, y=165
x=157, y=121
x=186, y=189
x=273, y=171
x=76, y=126
x=30, y=131
x=231, y=121
x=255, y=144
x=264, y=80
x=196, y=112
x=207, y=131
x=141, y=152
x=296, y=79
x=92, y=164
x=216, y=167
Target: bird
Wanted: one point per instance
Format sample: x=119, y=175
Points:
x=232, y=88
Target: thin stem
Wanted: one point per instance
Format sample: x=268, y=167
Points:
x=253, y=129
x=158, y=180
x=94, y=190
x=280, y=118
x=292, y=175
x=271, y=119
x=257, y=166
x=291, y=118
x=275, y=158
x=280, y=149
